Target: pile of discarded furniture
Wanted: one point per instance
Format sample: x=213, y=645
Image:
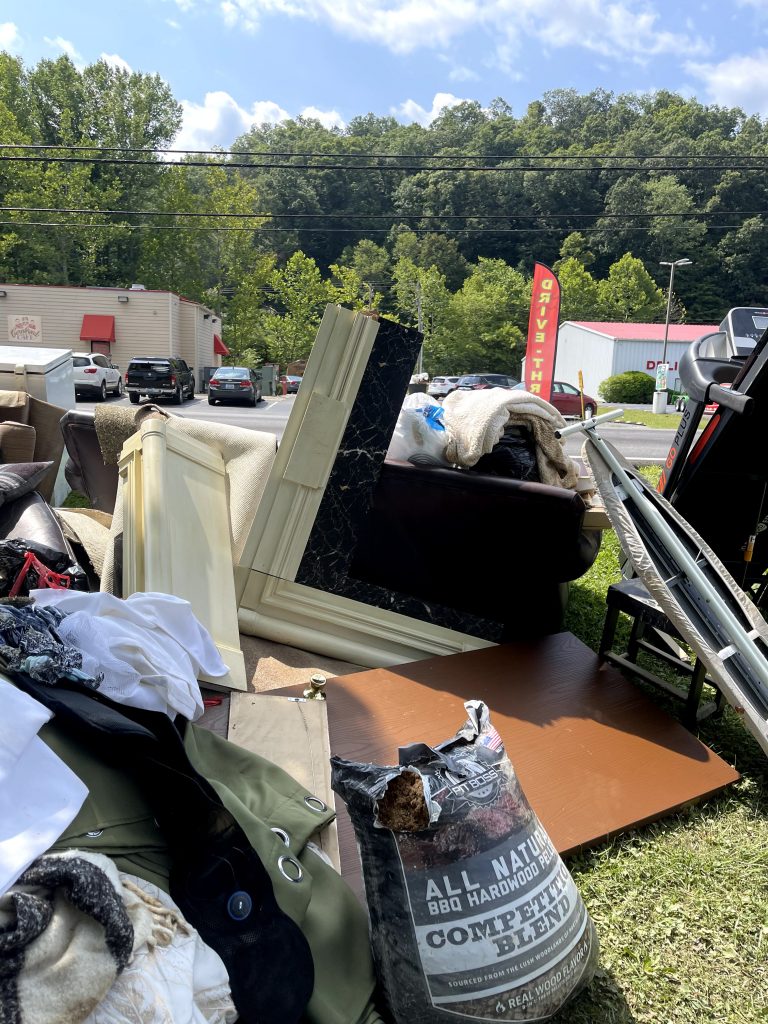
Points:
x=197, y=858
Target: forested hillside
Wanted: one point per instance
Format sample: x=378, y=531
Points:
x=438, y=225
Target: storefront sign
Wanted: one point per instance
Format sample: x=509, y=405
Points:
x=25, y=329
x=542, y=332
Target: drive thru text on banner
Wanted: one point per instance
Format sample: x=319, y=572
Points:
x=542, y=332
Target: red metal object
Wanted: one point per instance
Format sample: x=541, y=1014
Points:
x=46, y=578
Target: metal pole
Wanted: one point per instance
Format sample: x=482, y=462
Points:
x=420, y=327
x=660, y=397
x=741, y=638
x=669, y=307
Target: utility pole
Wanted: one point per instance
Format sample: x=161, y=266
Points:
x=420, y=327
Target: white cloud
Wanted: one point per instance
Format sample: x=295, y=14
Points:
x=185, y=5
x=412, y=111
x=736, y=82
x=220, y=119
x=172, y=24
x=327, y=118
x=59, y=43
x=615, y=28
x=116, y=61
x=462, y=74
x=240, y=13
x=9, y=35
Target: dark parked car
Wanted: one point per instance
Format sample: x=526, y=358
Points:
x=234, y=384
x=158, y=377
x=567, y=400
x=292, y=381
x=481, y=381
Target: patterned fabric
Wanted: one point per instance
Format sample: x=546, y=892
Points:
x=29, y=642
x=20, y=478
x=173, y=977
x=65, y=935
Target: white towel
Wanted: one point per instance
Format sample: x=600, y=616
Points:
x=475, y=422
x=39, y=794
x=150, y=647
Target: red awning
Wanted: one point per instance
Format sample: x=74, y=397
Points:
x=97, y=328
x=219, y=348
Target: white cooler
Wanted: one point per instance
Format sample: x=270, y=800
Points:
x=44, y=373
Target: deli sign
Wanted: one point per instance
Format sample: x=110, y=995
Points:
x=25, y=329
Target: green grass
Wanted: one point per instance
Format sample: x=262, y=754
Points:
x=663, y=421
x=681, y=906
x=75, y=500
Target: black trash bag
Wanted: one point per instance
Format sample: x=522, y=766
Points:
x=473, y=914
x=12, y=559
x=514, y=456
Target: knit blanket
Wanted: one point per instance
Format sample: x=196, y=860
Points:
x=68, y=928
x=475, y=422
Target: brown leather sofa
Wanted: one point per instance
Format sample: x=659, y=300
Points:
x=491, y=546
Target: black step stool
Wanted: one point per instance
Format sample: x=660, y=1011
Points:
x=632, y=598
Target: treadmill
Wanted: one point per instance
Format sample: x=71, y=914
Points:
x=717, y=478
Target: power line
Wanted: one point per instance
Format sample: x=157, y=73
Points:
x=69, y=226
x=39, y=146
x=496, y=168
x=194, y=214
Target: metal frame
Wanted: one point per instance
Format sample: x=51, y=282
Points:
x=699, y=589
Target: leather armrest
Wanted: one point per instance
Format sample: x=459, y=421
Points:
x=470, y=541
x=85, y=471
x=31, y=518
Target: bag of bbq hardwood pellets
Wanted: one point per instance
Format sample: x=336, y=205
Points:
x=473, y=914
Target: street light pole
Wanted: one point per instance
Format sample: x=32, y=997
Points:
x=660, y=396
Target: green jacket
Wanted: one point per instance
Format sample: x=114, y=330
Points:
x=116, y=820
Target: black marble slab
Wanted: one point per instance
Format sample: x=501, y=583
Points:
x=348, y=496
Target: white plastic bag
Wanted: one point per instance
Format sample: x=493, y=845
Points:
x=419, y=435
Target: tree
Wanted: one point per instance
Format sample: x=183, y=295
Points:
x=244, y=331
x=299, y=296
x=576, y=245
x=484, y=324
x=372, y=267
x=579, y=292
x=421, y=296
x=629, y=293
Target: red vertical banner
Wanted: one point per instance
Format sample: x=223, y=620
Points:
x=542, y=332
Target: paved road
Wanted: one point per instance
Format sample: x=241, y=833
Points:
x=271, y=415
x=635, y=443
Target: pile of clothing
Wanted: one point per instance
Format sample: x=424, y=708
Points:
x=150, y=871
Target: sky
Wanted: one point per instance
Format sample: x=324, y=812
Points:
x=235, y=62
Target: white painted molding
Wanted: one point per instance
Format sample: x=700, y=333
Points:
x=176, y=533
x=270, y=603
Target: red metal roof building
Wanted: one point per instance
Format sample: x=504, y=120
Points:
x=602, y=350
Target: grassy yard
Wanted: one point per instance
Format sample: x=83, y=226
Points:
x=681, y=906
x=663, y=421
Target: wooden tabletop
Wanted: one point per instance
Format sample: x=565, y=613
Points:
x=594, y=755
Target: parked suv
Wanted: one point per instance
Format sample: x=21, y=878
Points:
x=94, y=375
x=480, y=381
x=439, y=387
x=159, y=376
x=234, y=384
